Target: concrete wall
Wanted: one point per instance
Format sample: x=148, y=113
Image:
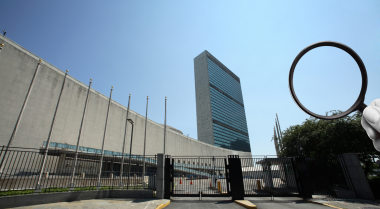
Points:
x=17, y=67
x=36, y=199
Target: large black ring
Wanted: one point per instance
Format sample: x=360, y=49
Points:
x=358, y=105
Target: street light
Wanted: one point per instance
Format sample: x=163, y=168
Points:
x=130, y=152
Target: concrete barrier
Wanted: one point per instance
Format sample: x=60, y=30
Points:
x=36, y=199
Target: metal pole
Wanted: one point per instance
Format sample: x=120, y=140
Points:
x=38, y=186
x=165, y=128
x=104, y=138
x=275, y=141
x=146, y=119
x=80, y=133
x=163, y=170
x=279, y=136
x=125, y=133
x=20, y=115
x=279, y=125
x=130, y=153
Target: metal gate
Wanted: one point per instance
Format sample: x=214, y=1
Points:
x=195, y=176
x=269, y=177
x=249, y=177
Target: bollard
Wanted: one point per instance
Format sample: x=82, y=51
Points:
x=258, y=185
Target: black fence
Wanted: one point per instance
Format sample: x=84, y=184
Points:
x=194, y=175
x=21, y=171
x=250, y=177
x=372, y=169
x=268, y=177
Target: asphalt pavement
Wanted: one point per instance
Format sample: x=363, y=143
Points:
x=215, y=203
x=111, y=203
x=227, y=203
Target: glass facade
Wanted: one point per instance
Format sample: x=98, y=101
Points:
x=228, y=114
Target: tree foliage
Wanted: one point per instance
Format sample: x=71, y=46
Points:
x=329, y=138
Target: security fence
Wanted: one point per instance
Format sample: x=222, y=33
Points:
x=249, y=177
x=269, y=176
x=194, y=175
x=21, y=171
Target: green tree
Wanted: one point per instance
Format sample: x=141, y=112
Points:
x=330, y=138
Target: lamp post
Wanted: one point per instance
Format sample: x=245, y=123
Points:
x=130, y=153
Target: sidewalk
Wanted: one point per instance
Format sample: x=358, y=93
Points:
x=346, y=203
x=113, y=203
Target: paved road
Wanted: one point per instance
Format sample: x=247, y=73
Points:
x=111, y=203
x=207, y=204
x=227, y=203
x=283, y=203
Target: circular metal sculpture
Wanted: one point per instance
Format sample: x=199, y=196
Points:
x=358, y=105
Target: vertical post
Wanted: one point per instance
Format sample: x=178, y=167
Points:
x=213, y=173
x=20, y=115
x=104, y=138
x=279, y=125
x=163, y=171
x=167, y=178
x=275, y=141
x=38, y=186
x=303, y=177
x=130, y=154
x=279, y=135
x=125, y=134
x=80, y=133
x=146, y=119
x=236, y=177
x=165, y=128
x=160, y=176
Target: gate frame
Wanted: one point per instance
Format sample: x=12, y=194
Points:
x=169, y=179
x=235, y=180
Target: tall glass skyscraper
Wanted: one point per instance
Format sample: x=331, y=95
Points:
x=221, y=117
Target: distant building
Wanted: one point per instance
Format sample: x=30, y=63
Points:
x=221, y=117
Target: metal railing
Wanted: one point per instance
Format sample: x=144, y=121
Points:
x=195, y=175
x=269, y=176
x=22, y=168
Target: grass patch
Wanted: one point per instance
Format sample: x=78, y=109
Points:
x=54, y=189
x=57, y=189
x=16, y=192
x=84, y=189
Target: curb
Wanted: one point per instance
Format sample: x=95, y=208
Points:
x=246, y=204
x=160, y=206
x=328, y=205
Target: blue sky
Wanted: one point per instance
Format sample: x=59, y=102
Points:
x=147, y=48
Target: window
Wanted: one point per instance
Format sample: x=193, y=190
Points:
x=179, y=161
